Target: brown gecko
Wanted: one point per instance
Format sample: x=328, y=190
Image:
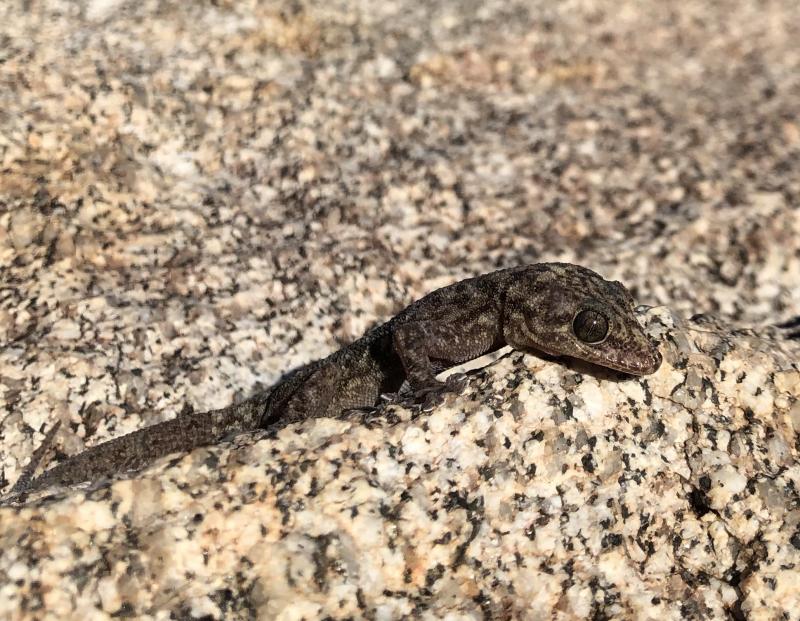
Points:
x=556, y=308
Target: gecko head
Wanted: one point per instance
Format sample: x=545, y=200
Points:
x=576, y=312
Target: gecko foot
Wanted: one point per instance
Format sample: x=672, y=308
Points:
x=456, y=383
x=433, y=394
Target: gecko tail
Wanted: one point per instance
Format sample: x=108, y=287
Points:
x=136, y=450
x=24, y=480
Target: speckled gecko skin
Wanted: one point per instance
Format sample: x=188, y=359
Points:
x=557, y=308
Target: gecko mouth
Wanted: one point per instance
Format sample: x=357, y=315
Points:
x=639, y=365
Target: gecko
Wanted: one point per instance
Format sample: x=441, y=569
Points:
x=560, y=309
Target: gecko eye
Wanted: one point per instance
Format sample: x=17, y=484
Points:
x=590, y=326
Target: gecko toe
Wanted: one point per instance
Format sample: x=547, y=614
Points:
x=432, y=395
x=392, y=397
x=431, y=400
x=429, y=395
x=456, y=383
x=365, y=410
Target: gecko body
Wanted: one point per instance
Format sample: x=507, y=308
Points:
x=557, y=308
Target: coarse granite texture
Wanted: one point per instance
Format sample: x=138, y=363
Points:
x=196, y=199
x=541, y=491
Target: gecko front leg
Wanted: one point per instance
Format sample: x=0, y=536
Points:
x=428, y=346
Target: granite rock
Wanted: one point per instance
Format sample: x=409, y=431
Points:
x=198, y=198
x=542, y=489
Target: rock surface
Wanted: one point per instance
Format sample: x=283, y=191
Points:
x=195, y=199
x=539, y=490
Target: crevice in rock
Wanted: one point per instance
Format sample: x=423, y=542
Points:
x=751, y=557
